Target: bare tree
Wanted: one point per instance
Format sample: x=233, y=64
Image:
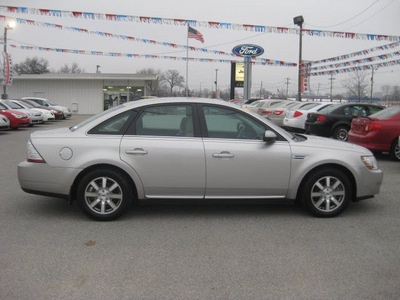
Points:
x=33, y=65
x=73, y=69
x=153, y=87
x=173, y=79
x=357, y=85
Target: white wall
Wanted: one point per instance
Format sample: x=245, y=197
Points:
x=86, y=95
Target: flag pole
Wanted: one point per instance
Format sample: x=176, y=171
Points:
x=187, y=61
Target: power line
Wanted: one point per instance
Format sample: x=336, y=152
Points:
x=347, y=19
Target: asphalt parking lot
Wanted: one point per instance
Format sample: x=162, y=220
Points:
x=50, y=250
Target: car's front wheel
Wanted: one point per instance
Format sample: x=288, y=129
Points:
x=326, y=193
x=103, y=194
x=395, y=150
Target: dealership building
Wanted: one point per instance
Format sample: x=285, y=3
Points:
x=83, y=93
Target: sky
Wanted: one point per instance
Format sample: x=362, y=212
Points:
x=380, y=17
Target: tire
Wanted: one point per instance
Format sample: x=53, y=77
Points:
x=326, y=193
x=395, y=150
x=341, y=133
x=103, y=194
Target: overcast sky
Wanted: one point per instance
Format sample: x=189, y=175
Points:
x=358, y=16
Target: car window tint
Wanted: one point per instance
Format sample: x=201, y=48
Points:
x=231, y=124
x=115, y=125
x=166, y=120
x=374, y=109
x=327, y=109
x=355, y=110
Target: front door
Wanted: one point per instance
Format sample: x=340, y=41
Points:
x=239, y=163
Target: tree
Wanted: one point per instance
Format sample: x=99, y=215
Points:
x=32, y=66
x=357, y=85
x=154, y=88
x=73, y=69
x=173, y=79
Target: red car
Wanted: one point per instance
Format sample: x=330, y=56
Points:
x=379, y=132
x=17, y=119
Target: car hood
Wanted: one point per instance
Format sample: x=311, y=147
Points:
x=322, y=143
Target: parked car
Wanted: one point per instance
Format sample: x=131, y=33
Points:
x=277, y=114
x=295, y=118
x=261, y=107
x=46, y=114
x=181, y=148
x=34, y=116
x=17, y=119
x=378, y=132
x=47, y=103
x=335, y=120
x=4, y=122
x=58, y=114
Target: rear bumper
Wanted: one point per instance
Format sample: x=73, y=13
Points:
x=40, y=178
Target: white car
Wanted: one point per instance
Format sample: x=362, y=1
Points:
x=188, y=148
x=47, y=103
x=47, y=114
x=36, y=117
x=4, y=123
x=295, y=119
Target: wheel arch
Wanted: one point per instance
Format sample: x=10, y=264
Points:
x=341, y=168
x=74, y=186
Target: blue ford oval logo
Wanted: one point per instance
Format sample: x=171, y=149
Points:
x=248, y=50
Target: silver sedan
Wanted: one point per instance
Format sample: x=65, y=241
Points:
x=180, y=148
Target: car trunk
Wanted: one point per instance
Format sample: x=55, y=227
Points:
x=362, y=125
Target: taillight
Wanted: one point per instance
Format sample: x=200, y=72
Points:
x=321, y=118
x=32, y=154
x=372, y=127
x=266, y=112
x=278, y=112
x=297, y=114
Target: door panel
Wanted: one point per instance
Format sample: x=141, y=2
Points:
x=247, y=169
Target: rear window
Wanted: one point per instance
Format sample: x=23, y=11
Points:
x=386, y=113
x=327, y=109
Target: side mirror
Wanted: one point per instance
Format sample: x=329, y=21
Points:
x=269, y=137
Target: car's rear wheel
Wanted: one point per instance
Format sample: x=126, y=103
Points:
x=103, y=194
x=341, y=133
x=395, y=150
x=326, y=193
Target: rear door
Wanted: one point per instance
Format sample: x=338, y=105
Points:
x=163, y=146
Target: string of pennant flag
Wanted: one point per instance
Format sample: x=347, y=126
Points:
x=141, y=40
x=131, y=55
x=195, y=23
x=358, y=68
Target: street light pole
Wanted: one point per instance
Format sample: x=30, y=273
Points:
x=9, y=26
x=299, y=20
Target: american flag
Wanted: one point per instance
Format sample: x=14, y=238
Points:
x=194, y=34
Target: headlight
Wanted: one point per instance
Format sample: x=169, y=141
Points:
x=18, y=116
x=370, y=162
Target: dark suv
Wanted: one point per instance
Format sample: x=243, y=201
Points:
x=335, y=120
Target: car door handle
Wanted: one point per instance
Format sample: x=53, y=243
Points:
x=223, y=154
x=136, y=151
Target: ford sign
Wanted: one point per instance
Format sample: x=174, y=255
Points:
x=248, y=50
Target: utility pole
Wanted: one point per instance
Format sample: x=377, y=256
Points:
x=216, y=83
x=287, y=87
x=331, y=80
x=372, y=83
x=261, y=91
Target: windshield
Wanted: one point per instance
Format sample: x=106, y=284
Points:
x=386, y=113
x=26, y=104
x=87, y=121
x=13, y=105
